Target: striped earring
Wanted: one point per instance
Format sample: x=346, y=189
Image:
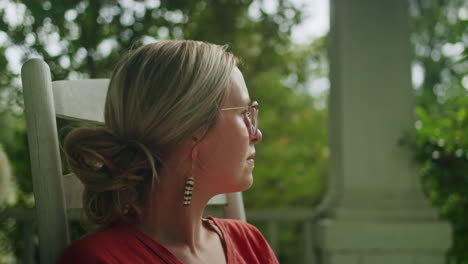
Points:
x=189, y=184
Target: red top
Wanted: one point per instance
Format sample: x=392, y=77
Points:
x=123, y=243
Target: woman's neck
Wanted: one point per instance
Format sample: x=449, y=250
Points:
x=170, y=223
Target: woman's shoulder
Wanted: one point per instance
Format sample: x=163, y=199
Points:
x=240, y=232
x=246, y=242
x=236, y=227
x=117, y=244
x=97, y=247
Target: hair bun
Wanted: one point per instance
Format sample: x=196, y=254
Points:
x=114, y=172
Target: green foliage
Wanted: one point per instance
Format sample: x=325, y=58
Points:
x=441, y=143
x=14, y=141
x=438, y=36
x=441, y=147
x=293, y=155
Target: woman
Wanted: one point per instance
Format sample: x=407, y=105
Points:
x=179, y=129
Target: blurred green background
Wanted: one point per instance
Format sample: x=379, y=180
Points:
x=83, y=39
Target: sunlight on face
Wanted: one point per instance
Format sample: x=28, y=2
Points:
x=223, y=153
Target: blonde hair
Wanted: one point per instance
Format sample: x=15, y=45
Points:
x=159, y=95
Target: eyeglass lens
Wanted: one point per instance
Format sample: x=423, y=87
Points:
x=253, y=117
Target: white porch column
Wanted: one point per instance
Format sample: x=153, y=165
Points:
x=381, y=215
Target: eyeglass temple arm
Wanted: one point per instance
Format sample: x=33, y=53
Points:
x=232, y=108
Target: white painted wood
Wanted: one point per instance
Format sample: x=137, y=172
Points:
x=219, y=199
x=73, y=191
x=309, y=246
x=235, y=206
x=372, y=105
x=45, y=160
x=412, y=237
x=272, y=234
x=80, y=99
x=380, y=208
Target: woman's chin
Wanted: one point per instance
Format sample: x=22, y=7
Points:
x=247, y=183
x=242, y=185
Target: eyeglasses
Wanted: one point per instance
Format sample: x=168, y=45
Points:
x=251, y=114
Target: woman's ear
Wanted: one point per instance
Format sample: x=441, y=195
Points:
x=198, y=135
x=195, y=140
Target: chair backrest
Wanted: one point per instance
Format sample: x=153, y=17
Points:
x=54, y=193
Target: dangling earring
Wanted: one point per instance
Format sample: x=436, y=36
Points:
x=189, y=184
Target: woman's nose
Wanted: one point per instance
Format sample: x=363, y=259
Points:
x=257, y=137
